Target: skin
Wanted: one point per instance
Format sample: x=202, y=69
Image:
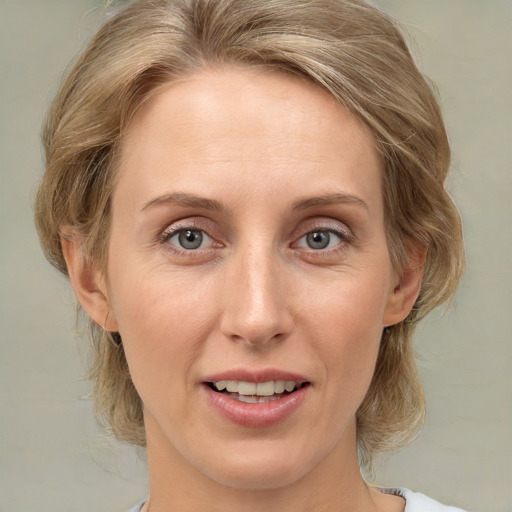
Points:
x=254, y=294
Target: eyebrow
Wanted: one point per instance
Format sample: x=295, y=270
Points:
x=328, y=200
x=185, y=199
x=194, y=201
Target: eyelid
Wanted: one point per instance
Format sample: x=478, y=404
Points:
x=302, y=244
x=326, y=224
x=345, y=234
x=194, y=224
x=206, y=239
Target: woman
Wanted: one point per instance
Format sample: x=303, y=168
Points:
x=248, y=200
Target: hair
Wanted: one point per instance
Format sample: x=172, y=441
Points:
x=349, y=48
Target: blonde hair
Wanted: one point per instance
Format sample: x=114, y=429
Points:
x=349, y=48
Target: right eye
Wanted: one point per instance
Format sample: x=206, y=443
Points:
x=189, y=239
x=320, y=239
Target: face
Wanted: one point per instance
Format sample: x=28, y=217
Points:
x=248, y=274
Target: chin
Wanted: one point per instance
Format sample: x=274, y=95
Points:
x=258, y=478
x=260, y=468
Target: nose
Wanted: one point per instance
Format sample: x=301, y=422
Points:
x=256, y=299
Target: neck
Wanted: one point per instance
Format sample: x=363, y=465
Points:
x=335, y=484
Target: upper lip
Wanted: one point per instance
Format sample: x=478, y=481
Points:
x=256, y=375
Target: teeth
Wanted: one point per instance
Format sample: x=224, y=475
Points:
x=247, y=399
x=232, y=386
x=221, y=385
x=252, y=399
x=251, y=389
x=279, y=386
x=289, y=386
x=265, y=388
x=247, y=388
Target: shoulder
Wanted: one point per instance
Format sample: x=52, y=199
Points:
x=137, y=508
x=418, y=502
x=414, y=502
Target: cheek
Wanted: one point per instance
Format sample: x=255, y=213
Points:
x=351, y=306
x=347, y=322
x=163, y=320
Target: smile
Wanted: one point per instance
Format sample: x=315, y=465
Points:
x=256, y=393
x=256, y=399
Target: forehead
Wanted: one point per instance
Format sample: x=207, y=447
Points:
x=247, y=126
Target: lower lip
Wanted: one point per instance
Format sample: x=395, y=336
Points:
x=258, y=415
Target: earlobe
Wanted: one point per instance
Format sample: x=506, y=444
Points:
x=406, y=288
x=88, y=283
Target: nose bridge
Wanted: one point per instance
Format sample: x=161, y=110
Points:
x=255, y=299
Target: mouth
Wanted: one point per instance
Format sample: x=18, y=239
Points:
x=256, y=393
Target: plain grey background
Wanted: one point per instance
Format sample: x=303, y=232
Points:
x=52, y=456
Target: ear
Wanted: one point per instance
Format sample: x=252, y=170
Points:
x=88, y=283
x=407, y=287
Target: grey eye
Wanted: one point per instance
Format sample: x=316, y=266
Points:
x=318, y=239
x=189, y=238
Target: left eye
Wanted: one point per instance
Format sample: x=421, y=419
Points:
x=190, y=239
x=319, y=239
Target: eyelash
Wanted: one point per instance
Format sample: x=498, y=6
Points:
x=174, y=230
x=345, y=237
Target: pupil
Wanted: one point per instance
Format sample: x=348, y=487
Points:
x=318, y=239
x=190, y=239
